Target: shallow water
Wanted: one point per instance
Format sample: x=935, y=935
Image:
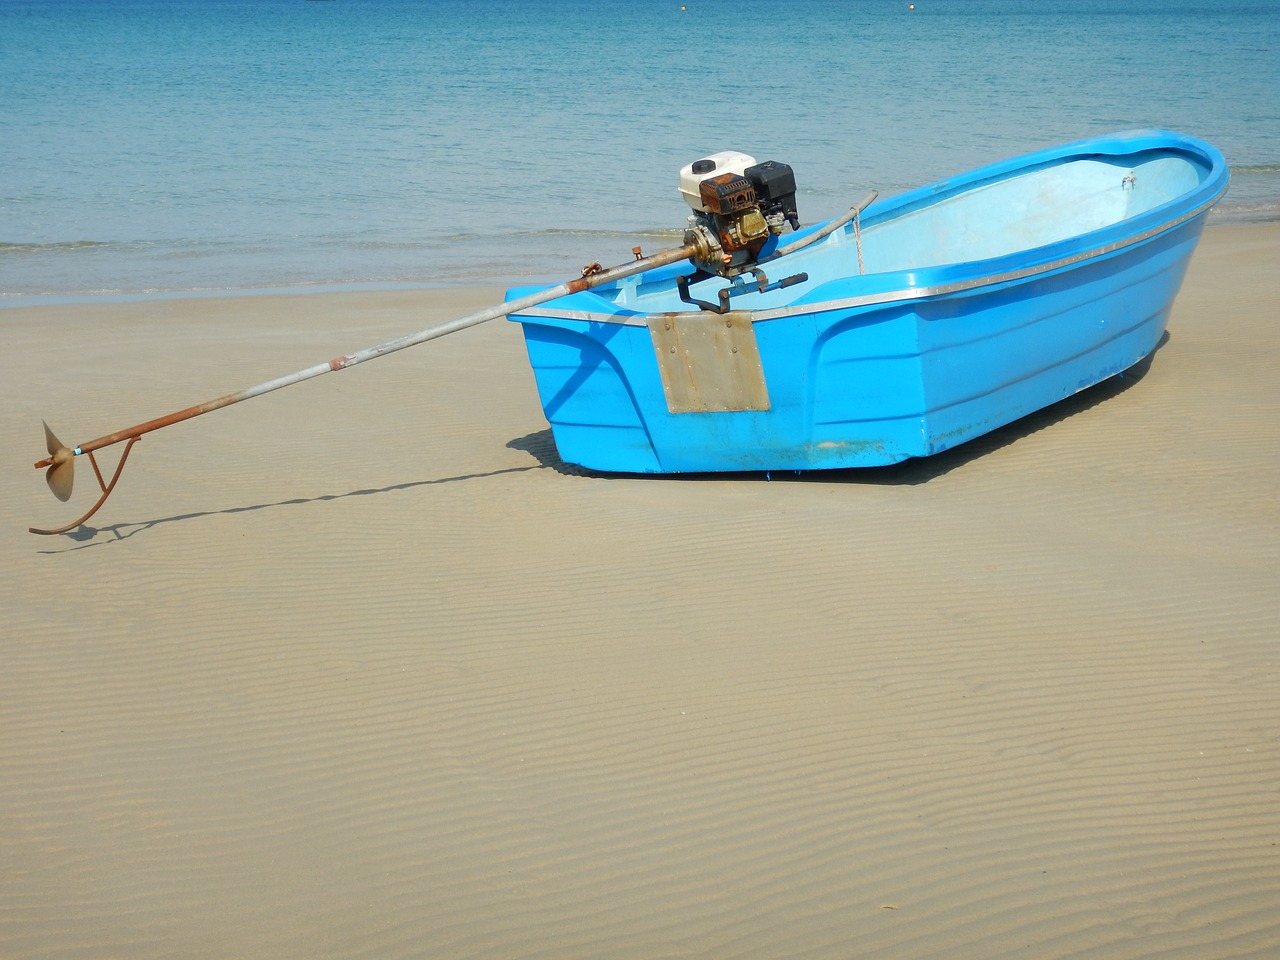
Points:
x=154, y=145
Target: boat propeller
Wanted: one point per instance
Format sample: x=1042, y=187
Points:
x=61, y=474
x=738, y=213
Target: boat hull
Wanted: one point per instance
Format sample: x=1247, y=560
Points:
x=898, y=364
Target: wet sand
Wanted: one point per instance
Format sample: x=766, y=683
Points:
x=361, y=669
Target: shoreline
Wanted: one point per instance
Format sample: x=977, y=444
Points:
x=496, y=278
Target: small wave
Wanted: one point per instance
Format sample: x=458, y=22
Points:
x=1261, y=211
x=303, y=288
x=596, y=234
x=64, y=246
x=1256, y=169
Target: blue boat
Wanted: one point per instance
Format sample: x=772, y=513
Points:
x=921, y=322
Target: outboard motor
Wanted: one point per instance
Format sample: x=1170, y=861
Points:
x=739, y=209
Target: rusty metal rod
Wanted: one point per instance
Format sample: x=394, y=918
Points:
x=593, y=276
x=586, y=282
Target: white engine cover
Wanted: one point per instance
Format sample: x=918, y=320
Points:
x=726, y=161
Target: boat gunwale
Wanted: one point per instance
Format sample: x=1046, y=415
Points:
x=925, y=195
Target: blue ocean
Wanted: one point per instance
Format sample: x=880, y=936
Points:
x=160, y=146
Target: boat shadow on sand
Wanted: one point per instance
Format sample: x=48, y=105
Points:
x=916, y=470
x=542, y=448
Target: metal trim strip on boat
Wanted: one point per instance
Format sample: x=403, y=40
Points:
x=906, y=293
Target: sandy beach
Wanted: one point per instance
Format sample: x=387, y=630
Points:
x=362, y=669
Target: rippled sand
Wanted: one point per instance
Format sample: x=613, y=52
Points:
x=361, y=669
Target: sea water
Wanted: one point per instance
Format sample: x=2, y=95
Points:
x=215, y=145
